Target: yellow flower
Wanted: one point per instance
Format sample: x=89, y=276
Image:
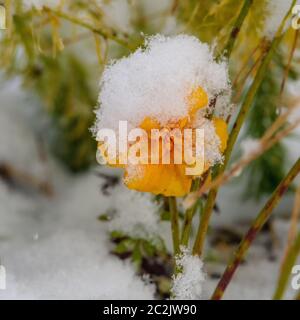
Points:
x=221, y=131
x=170, y=179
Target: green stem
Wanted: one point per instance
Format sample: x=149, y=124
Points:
x=86, y=25
x=204, y=223
x=237, y=27
x=174, y=223
x=256, y=226
x=253, y=90
x=8, y=17
x=287, y=268
x=189, y=214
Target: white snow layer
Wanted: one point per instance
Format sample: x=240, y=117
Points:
x=55, y=248
x=140, y=219
x=156, y=80
x=187, y=284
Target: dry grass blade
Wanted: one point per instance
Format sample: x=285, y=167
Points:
x=256, y=226
x=292, y=234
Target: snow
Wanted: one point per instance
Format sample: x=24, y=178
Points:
x=187, y=284
x=211, y=141
x=140, y=219
x=256, y=278
x=156, y=80
x=55, y=248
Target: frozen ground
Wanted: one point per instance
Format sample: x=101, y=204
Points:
x=57, y=249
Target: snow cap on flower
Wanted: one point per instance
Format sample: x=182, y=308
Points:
x=156, y=80
x=188, y=284
x=170, y=83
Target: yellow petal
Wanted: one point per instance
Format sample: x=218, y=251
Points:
x=222, y=132
x=198, y=99
x=183, y=122
x=168, y=180
x=149, y=123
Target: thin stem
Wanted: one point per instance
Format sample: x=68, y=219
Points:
x=174, y=223
x=193, y=15
x=288, y=67
x=237, y=27
x=240, y=87
x=189, y=214
x=174, y=6
x=264, y=145
x=256, y=226
x=253, y=90
x=203, y=226
x=86, y=25
x=8, y=17
x=287, y=268
x=244, y=66
x=98, y=49
x=204, y=223
x=292, y=235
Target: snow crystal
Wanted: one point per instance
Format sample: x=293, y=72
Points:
x=275, y=13
x=187, y=285
x=156, y=80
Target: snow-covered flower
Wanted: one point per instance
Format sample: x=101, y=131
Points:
x=173, y=82
x=187, y=284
